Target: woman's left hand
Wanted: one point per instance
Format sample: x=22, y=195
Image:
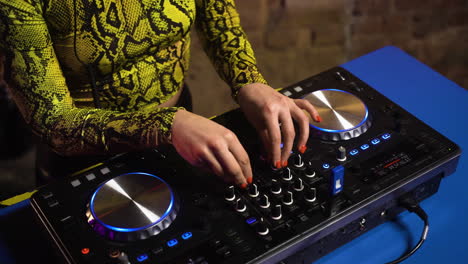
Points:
x=272, y=115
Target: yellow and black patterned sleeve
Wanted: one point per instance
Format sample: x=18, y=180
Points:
x=226, y=43
x=38, y=87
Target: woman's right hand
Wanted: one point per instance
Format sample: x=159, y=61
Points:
x=204, y=143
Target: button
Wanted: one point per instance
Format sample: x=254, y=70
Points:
x=47, y=195
x=365, y=146
x=303, y=218
x=105, y=170
x=75, y=183
x=375, y=141
x=142, y=257
x=386, y=136
x=287, y=93
x=354, y=86
x=52, y=203
x=340, y=76
x=90, y=177
x=224, y=251
x=114, y=253
x=172, y=242
x=337, y=179
x=354, y=152
x=251, y=220
x=326, y=166
x=85, y=251
x=157, y=250
x=186, y=235
x=298, y=89
x=65, y=219
x=216, y=243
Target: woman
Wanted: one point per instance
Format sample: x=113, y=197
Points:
x=99, y=77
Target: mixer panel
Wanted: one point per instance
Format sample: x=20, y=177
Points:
x=153, y=207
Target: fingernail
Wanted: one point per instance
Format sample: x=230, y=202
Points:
x=278, y=164
x=285, y=163
x=302, y=149
x=244, y=186
x=250, y=180
x=318, y=118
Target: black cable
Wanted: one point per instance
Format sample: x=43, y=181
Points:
x=89, y=67
x=414, y=207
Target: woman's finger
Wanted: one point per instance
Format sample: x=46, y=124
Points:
x=287, y=129
x=242, y=158
x=303, y=122
x=231, y=167
x=309, y=108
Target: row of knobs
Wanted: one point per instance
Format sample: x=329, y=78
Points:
x=310, y=196
x=299, y=163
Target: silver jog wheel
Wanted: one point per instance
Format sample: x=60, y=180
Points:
x=344, y=115
x=132, y=206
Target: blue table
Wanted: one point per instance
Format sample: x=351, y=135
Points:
x=432, y=98
x=443, y=105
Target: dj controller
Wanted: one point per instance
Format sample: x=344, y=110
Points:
x=153, y=207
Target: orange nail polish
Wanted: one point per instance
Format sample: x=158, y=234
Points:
x=250, y=180
x=278, y=164
x=302, y=149
x=318, y=118
x=244, y=185
x=285, y=163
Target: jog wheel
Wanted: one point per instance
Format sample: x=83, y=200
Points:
x=132, y=206
x=344, y=116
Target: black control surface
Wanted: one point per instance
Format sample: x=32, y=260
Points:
x=346, y=183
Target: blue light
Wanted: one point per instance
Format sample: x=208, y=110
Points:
x=386, y=136
x=186, y=235
x=172, y=242
x=326, y=166
x=142, y=257
x=354, y=152
x=375, y=141
x=343, y=130
x=251, y=220
x=119, y=229
x=365, y=146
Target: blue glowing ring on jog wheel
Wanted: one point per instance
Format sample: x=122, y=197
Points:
x=132, y=206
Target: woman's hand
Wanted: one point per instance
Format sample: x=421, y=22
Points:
x=204, y=143
x=272, y=114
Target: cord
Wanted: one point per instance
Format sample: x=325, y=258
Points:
x=412, y=206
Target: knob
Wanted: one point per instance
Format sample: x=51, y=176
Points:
x=341, y=154
x=309, y=171
x=253, y=190
x=229, y=194
x=286, y=175
x=288, y=198
x=298, y=163
x=310, y=195
x=261, y=228
x=298, y=185
x=117, y=198
x=275, y=187
x=264, y=201
x=276, y=212
x=240, y=206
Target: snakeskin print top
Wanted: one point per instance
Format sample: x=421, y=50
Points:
x=138, y=51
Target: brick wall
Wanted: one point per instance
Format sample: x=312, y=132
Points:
x=294, y=39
